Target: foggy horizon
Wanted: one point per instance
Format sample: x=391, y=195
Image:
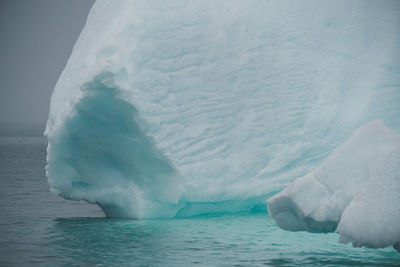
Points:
x=38, y=37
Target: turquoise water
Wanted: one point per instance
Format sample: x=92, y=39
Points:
x=38, y=229
x=226, y=240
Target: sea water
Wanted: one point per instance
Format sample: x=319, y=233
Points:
x=39, y=229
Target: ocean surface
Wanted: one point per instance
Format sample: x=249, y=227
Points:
x=40, y=229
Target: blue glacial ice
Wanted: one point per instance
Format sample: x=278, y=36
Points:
x=177, y=108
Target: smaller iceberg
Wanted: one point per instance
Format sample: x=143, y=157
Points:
x=355, y=192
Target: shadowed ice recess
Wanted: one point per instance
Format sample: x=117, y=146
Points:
x=181, y=108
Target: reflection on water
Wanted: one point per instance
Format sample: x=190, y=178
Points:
x=38, y=229
x=110, y=242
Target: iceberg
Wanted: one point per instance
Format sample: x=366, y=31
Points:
x=355, y=192
x=177, y=108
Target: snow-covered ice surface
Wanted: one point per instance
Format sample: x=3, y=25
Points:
x=177, y=108
x=355, y=191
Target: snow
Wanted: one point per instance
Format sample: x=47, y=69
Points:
x=354, y=192
x=175, y=108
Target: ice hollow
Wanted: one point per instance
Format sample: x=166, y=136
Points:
x=102, y=156
x=177, y=108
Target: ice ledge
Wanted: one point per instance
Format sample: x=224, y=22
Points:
x=355, y=192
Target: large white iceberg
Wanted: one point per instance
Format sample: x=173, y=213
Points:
x=355, y=191
x=175, y=108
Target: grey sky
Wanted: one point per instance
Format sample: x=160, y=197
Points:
x=36, y=39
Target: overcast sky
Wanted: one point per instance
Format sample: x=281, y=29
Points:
x=36, y=39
